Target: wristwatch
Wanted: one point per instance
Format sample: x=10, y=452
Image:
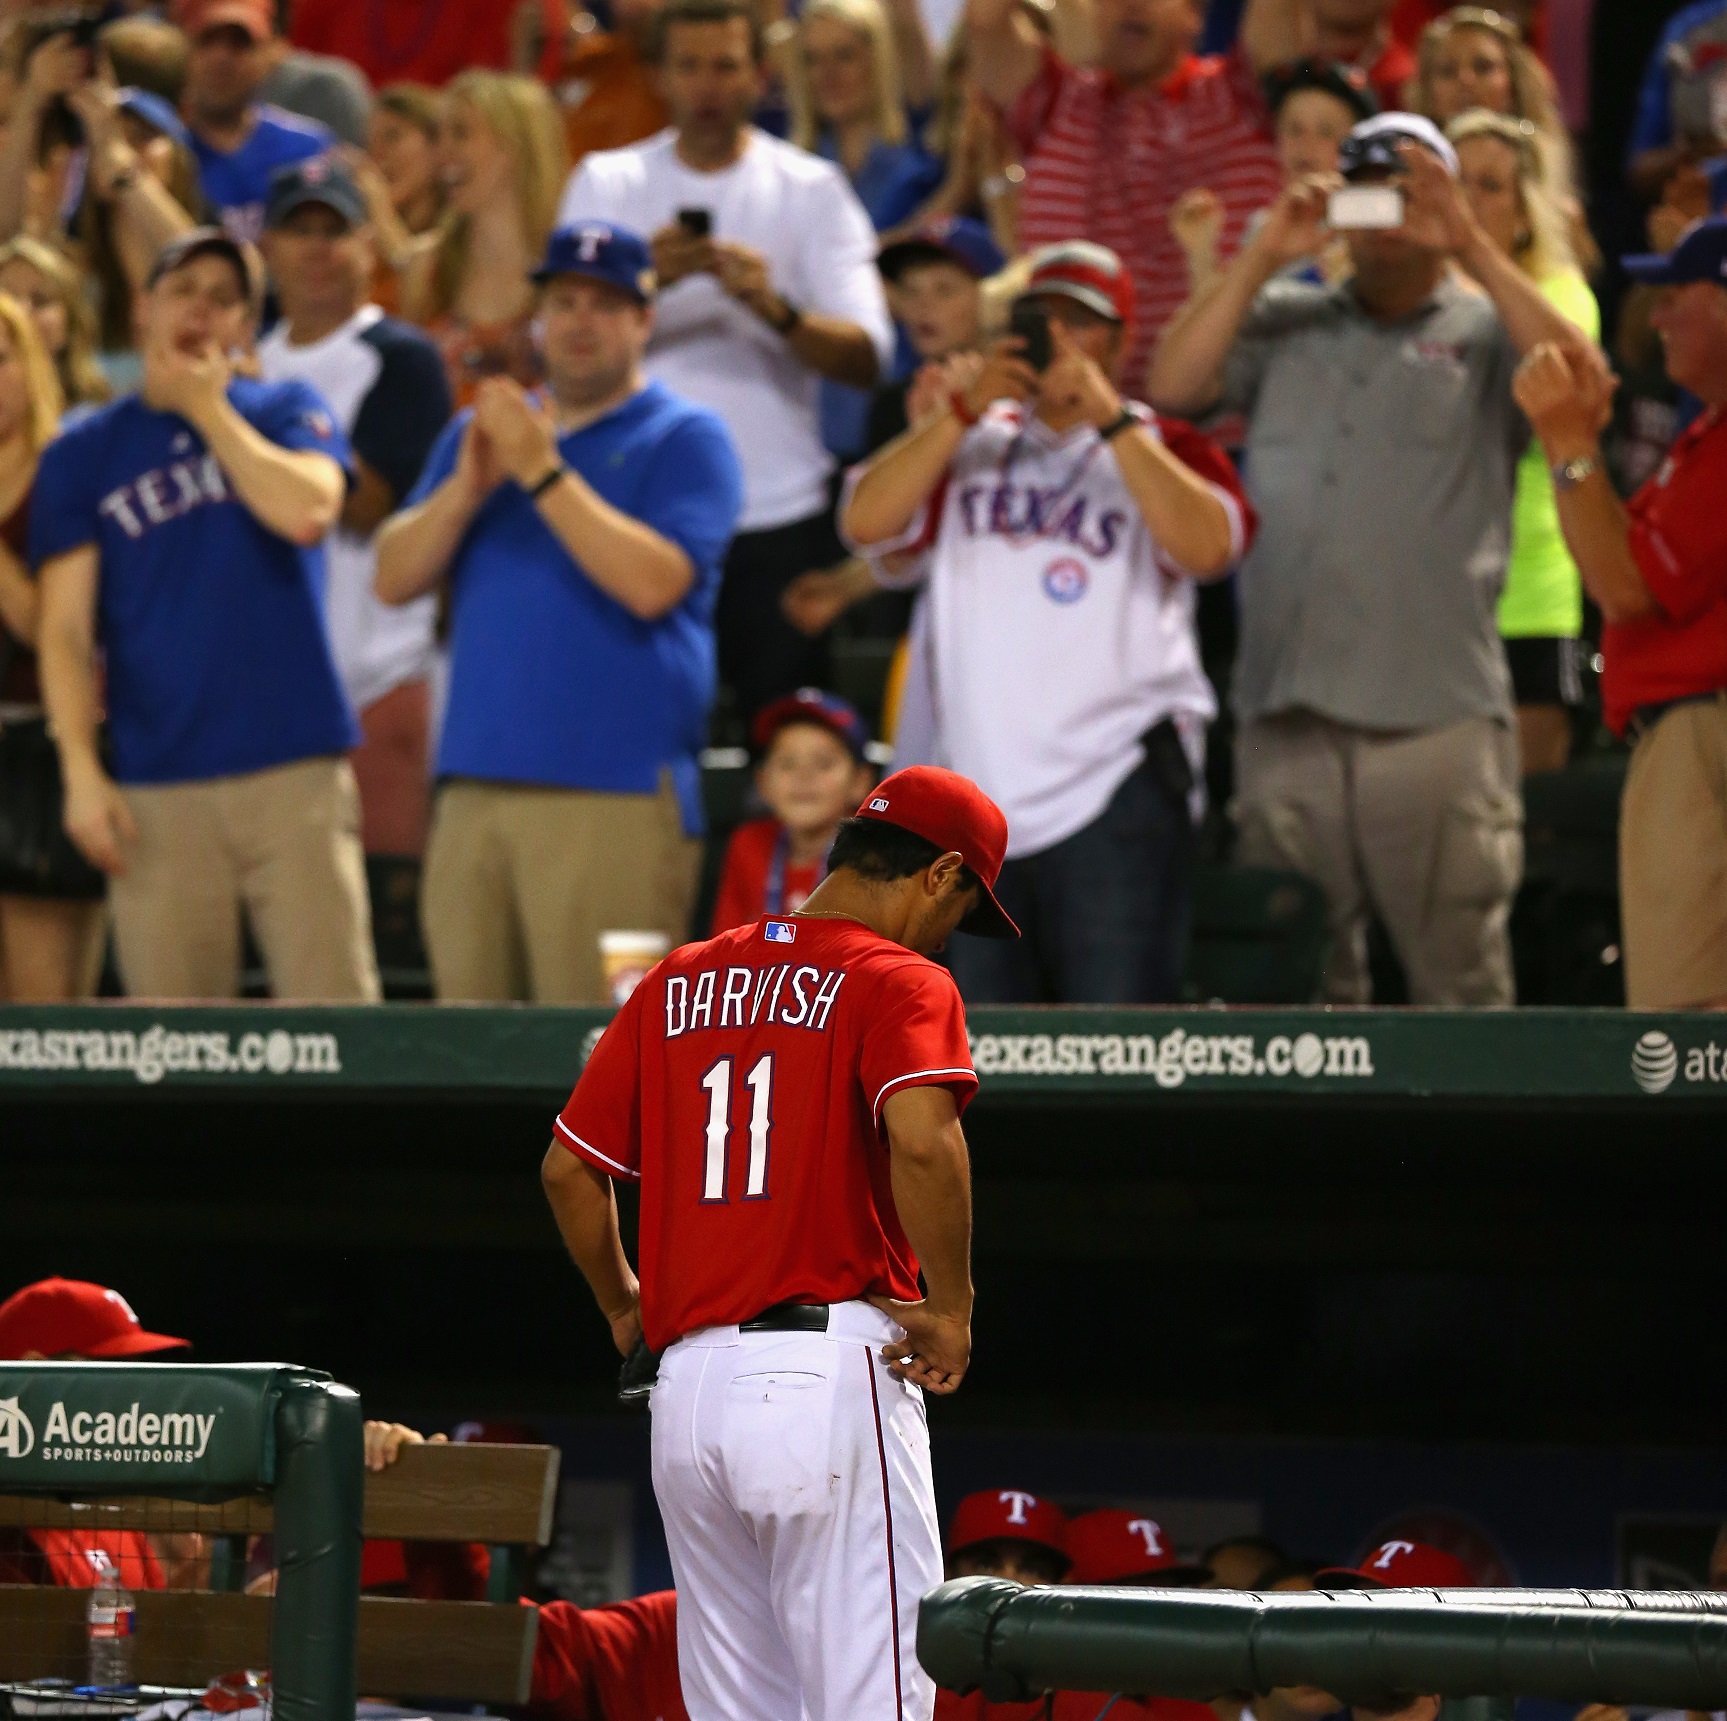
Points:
x=1568, y=474
x=785, y=325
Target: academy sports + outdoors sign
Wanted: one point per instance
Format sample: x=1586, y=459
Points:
x=172, y=1428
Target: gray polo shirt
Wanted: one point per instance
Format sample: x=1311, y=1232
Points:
x=1381, y=458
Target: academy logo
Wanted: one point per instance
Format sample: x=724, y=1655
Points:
x=17, y=1435
x=1654, y=1062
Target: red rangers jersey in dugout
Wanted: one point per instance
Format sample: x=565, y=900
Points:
x=742, y=1085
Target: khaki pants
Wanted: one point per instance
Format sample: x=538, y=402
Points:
x=285, y=843
x=521, y=881
x=1673, y=861
x=1424, y=828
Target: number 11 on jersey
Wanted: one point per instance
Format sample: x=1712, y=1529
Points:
x=718, y=1084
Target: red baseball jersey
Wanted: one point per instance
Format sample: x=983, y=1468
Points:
x=616, y=1663
x=742, y=1085
x=1678, y=536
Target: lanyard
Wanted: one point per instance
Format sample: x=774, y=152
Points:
x=775, y=900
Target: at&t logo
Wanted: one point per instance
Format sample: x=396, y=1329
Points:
x=1654, y=1062
x=17, y=1436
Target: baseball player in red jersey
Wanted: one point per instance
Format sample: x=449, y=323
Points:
x=788, y=1096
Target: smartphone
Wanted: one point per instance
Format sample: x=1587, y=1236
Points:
x=697, y=223
x=1354, y=207
x=1030, y=322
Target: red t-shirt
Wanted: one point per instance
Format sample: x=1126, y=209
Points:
x=1678, y=531
x=616, y=1663
x=1085, y=1706
x=1107, y=164
x=974, y=1706
x=742, y=1084
x=1389, y=75
x=743, y=893
x=65, y=1558
x=420, y=41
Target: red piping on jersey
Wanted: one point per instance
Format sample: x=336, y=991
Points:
x=887, y=1510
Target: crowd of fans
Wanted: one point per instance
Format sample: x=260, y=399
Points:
x=619, y=1661
x=422, y=435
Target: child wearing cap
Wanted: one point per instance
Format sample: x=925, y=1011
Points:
x=812, y=773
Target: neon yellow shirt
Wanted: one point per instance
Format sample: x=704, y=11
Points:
x=1543, y=594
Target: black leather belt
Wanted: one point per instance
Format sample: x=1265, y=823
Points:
x=1645, y=717
x=788, y=1318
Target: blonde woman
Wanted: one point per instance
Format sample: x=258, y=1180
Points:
x=398, y=174
x=50, y=897
x=1541, y=608
x=504, y=162
x=45, y=281
x=1474, y=57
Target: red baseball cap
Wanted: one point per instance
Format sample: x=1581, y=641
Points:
x=812, y=705
x=255, y=17
x=70, y=1317
x=952, y=812
x=1008, y=1515
x=1400, y=1565
x=1117, y=1547
x=1090, y=275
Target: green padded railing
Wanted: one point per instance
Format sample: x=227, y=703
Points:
x=214, y=1432
x=1657, y=1648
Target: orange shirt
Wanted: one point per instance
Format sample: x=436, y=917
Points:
x=474, y=351
x=607, y=92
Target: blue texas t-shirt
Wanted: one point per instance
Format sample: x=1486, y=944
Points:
x=211, y=626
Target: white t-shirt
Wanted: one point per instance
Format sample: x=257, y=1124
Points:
x=1054, y=631
x=799, y=212
x=377, y=646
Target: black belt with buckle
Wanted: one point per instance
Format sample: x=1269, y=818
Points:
x=1645, y=717
x=788, y=1318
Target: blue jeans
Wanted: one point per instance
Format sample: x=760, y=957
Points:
x=1104, y=912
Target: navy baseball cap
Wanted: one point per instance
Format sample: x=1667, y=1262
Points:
x=1700, y=255
x=155, y=111
x=812, y=705
x=602, y=251
x=957, y=239
x=209, y=242
x=323, y=180
x=1372, y=146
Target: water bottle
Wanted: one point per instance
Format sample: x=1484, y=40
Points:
x=112, y=1623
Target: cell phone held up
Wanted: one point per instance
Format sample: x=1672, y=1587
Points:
x=697, y=223
x=1029, y=322
x=1355, y=208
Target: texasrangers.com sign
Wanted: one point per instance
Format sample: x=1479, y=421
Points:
x=1176, y=1057
x=118, y=1427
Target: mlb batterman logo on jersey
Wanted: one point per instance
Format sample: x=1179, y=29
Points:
x=779, y=932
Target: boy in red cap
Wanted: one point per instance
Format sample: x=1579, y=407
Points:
x=812, y=772
x=73, y=1320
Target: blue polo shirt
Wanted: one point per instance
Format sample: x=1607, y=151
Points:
x=211, y=626
x=552, y=681
x=236, y=182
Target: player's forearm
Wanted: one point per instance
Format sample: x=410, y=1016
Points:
x=416, y=546
x=295, y=493
x=1180, y=510
x=1187, y=369
x=931, y=1175
x=649, y=575
x=1529, y=316
x=900, y=479
x=586, y=1212
x=147, y=216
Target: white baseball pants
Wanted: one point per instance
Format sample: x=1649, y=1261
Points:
x=793, y=1476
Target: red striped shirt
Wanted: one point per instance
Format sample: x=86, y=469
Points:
x=1108, y=164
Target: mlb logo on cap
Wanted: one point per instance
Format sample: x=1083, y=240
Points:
x=878, y=805
x=780, y=932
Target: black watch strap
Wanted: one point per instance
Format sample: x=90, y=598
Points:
x=1116, y=426
x=541, y=485
x=785, y=325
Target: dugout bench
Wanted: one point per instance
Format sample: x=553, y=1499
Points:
x=467, y=1651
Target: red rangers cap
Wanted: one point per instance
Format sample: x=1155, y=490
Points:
x=1399, y=1565
x=1008, y=1515
x=1117, y=1547
x=71, y=1317
x=1090, y=275
x=952, y=812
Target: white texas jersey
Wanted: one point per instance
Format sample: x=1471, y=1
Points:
x=1055, y=632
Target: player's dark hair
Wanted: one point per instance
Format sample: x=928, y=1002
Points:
x=876, y=850
x=1284, y=1570
x=1257, y=1544
x=676, y=12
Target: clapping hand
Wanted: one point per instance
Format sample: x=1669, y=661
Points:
x=518, y=429
x=1196, y=221
x=1296, y=226
x=1567, y=400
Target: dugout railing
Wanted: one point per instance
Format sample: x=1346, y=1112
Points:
x=1648, y=1648
x=266, y=1460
